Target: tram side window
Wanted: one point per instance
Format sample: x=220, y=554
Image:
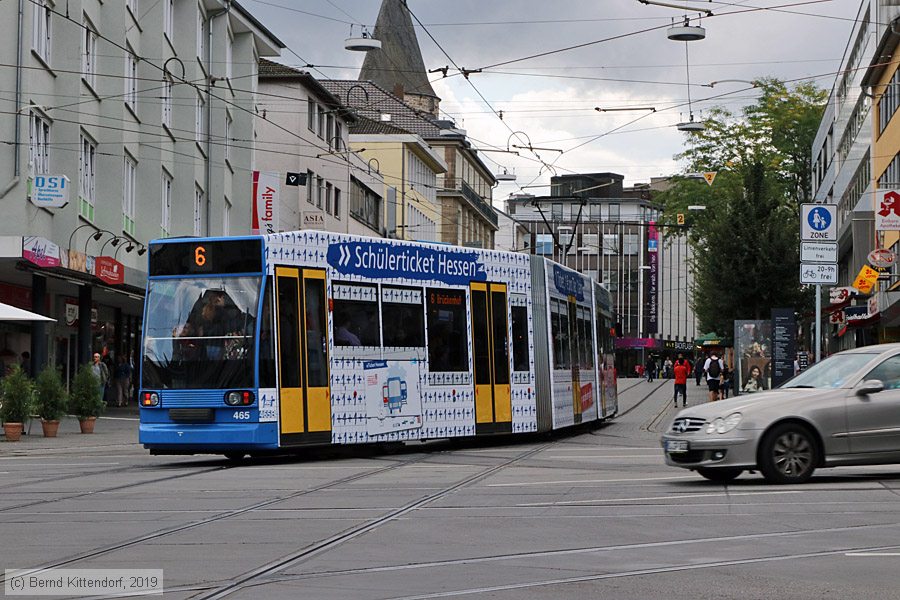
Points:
x=559, y=327
x=586, y=344
x=501, y=348
x=317, y=368
x=480, y=342
x=448, y=340
x=356, y=315
x=289, y=331
x=267, y=341
x=521, y=358
x=403, y=317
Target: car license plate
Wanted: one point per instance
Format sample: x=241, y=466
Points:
x=677, y=446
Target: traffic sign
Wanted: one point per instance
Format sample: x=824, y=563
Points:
x=818, y=222
x=817, y=274
x=819, y=252
x=50, y=191
x=710, y=176
x=679, y=218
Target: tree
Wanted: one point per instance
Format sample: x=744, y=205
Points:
x=746, y=244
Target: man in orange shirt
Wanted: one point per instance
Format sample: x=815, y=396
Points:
x=681, y=370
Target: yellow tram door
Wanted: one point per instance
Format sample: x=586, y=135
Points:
x=490, y=342
x=303, y=389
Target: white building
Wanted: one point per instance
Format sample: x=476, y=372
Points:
x=148, y=108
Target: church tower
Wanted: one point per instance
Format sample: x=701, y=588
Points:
x=398, y=65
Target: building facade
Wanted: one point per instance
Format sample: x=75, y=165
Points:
x=148, y=112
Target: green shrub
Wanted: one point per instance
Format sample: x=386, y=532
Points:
x=51, y=394
x=17, y=394
x=85, y=399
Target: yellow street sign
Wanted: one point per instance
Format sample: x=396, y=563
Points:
x=709, y=176
x=866, y=279
x=680, y=218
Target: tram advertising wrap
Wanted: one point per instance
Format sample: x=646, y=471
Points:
x=275, y=343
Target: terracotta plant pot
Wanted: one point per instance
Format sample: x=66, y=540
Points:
x=13, y=431
x=87, y=425
x=50, y=428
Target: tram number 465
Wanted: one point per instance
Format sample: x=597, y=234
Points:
x=241, y=415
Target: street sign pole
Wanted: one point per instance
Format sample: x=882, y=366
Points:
x=818, y=322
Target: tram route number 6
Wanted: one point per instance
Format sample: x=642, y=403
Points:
x=202, y=259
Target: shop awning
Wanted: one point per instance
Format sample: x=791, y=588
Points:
x=11, y=313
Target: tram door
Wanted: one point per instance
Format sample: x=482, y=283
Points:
x=490, y=341
x=575, y=342
x=303, y=384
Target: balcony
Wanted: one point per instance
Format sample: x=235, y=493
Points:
x=472, y=197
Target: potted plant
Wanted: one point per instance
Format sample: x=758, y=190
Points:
x=17, y=396
x=86, y=399
x=51, y=399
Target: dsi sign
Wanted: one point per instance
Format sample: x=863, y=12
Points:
x=567, y=283
x=50, y=191
x=385, y=260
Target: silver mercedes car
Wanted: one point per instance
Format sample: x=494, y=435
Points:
x=845, y=410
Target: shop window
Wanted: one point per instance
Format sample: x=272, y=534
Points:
x=448, y=340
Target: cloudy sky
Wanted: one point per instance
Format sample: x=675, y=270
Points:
x=550, y=100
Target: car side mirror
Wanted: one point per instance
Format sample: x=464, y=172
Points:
x=870, y=386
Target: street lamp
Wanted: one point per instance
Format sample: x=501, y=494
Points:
x=364, y=43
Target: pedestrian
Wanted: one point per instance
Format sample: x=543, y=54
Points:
x=727, y=376
x=122, y=381
x=101, y=372
x=682, y=369
x=713, y=368
x=667, y=367
x=651, y=369
x=698, y=369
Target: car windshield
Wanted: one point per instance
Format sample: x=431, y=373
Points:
x=833, y=372
x=199, y=333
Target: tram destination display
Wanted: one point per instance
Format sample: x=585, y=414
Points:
x=206, y=256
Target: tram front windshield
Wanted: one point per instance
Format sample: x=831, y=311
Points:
x=199, y=333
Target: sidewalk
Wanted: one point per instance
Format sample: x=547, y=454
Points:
x=116, y=427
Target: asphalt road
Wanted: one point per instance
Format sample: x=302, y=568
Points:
x=593, y=514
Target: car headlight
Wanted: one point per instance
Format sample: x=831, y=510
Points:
x=724, y=425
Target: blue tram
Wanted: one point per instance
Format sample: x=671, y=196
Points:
x=271, y=343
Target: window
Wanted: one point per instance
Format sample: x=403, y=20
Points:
x=87, y=168
x=131, y=79
x=590, y=242
x=610, y=244
x=89, y=53
x=402, y=317
x=559, y=327
x=167, y=88
x=329, y=132
x=556, y=211
x=129, y=183
x=200, y=118
x=337, y=203
x=887, y=372
x=227, y=147
x=169, y=19
x=39, y=144
x=448, y=339
x=310, y=187
x=328, y=192
x=40, y=41
x=543, y=244
x=339, y=136
x=521, y=359
x=311, y=115
x=198, y=211
x=631, y=245
x=320, y=126
x=229, y=51
x=320, y=191
x=365, y=205
x=165, y=223
x=226, y=217
x=614, y=212
x=356, y=315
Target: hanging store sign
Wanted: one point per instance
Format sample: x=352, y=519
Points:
x=653, y=284
x=266, y=197
x=887, y=210
x=882, y=258
x=866, y=279
x=50, y=191
x=40, y=251
x=109, y=270
x=838, y=295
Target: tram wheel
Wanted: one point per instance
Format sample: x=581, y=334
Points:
x=235, y=457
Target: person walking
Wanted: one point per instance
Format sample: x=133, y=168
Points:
x=698, y=369
x=681, y=369
x=101, y=372
x=651, y=369
x=667, y=368
x=727, y=375
x=122, y=381
x=713, y=368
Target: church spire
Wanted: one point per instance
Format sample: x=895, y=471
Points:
x=398, y=66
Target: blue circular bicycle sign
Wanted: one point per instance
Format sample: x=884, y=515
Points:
x=819, y=219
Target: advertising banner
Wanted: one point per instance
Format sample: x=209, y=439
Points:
x=40, y=251
x=393, y=396
x=266, y=197
x=109, y=270
x=753, y=356
x=380, y=260
x=784, y=347
x=653, y=284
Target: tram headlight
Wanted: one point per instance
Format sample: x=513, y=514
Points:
x=150, y=399
x=242, y=398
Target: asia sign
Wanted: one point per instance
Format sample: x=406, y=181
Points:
x=653, y=284
x=887, y=210
x=266, y=197
x=385, y=260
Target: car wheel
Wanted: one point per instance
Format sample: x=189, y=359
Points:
x=788, y=454
x=723, y=475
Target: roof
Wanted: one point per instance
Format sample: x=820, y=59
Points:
x=366, y=126
x=270, y=70
x=369, y=100
x=398, y=64
x=255, y=22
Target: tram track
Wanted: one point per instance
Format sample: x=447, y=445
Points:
x=95, y=552
x=313, y=550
